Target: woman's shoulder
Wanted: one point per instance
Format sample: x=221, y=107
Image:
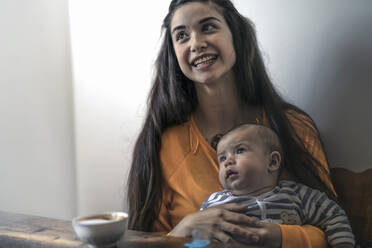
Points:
x=300, y=120
x=308, y=133
x=296, y=114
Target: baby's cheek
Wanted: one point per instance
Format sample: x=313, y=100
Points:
x=222, y=178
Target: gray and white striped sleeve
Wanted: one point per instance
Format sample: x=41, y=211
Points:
x=323, y=212
x=207, y=202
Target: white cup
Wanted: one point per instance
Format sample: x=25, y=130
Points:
x=101, y=230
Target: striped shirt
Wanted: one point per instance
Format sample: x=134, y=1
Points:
x=293, y=203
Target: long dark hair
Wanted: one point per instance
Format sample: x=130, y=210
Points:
x=172, y=100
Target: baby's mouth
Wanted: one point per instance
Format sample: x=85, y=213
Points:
x=230, y=173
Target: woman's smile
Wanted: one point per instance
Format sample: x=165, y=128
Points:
x=204, y=61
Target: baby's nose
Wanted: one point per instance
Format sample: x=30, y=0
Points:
x=229, y=160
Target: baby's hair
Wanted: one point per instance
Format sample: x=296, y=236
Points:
x=267, y=135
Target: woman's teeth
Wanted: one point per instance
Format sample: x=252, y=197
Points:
x=205, y=60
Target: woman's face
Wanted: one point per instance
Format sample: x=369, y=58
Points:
x=202, y=42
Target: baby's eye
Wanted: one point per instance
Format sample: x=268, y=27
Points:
x=181, y=35
x=240, y=150
x=222, y=158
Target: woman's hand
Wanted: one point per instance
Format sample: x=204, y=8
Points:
x=269, y=233
x=227, y=224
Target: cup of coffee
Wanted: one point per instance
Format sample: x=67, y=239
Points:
x=101, y=230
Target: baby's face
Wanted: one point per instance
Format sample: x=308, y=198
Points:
x=243, y=161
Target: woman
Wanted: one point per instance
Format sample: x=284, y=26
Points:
x=209, y=78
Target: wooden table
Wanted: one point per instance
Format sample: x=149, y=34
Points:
x=19, y=230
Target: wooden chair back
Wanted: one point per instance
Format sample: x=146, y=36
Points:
x=355, y=196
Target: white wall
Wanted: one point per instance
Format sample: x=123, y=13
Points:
x=37, y=173
x=114, y=44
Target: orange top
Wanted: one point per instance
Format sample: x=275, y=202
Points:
x=190, y=172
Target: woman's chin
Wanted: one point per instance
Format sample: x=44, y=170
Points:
x=212, y=77
x=205, y=80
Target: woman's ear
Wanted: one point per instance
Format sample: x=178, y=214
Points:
x=275, y=160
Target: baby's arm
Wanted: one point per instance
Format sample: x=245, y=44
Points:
x=207, y=203
x=321, y=211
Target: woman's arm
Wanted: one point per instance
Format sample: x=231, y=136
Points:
x=302, y=236
x=238, y=229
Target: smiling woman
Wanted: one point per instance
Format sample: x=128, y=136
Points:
x=203, y=43
x=210, y=77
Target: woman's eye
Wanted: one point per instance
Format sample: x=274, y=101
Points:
x=240, y=150
x=222, y=159
x=180, y=36
x=209, y=27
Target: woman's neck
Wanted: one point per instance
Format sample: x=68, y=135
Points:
x=220, y=108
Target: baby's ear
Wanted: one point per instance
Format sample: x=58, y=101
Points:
x=275, y=159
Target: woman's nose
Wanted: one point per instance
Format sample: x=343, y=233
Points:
x=198, y=43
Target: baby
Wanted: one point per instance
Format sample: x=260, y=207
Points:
x=249, y=157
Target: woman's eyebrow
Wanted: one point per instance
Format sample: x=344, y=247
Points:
x=200, y=22
x=208, y=19
x=178, y=27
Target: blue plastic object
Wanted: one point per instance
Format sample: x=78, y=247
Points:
x=198, y=244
